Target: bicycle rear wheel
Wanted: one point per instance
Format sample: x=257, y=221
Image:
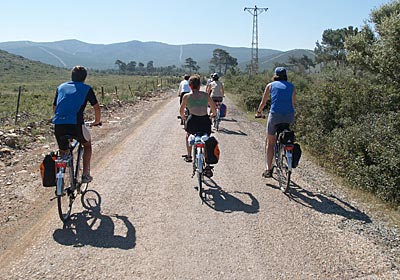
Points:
x=200, y=173
x=285, y=172
x=65, y=196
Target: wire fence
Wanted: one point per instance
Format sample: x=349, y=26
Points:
x=35, y=104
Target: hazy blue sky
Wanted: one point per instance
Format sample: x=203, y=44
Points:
x=288, y=24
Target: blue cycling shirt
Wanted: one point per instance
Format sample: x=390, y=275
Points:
x=281, y=96
x=70, y=101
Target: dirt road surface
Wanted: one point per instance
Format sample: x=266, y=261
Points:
x=149, y=222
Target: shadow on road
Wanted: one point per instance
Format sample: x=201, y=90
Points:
x=95, y=229
x=326, y=204
x=219, y=200
x=229, y=120
x=232, y=132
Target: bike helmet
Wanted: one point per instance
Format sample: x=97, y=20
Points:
x=215, y=76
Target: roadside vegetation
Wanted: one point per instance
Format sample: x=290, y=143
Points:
x=348, y=108
x=348, y=99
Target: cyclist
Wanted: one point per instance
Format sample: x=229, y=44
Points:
x=216, y=89
x=198, y=121
x=283, y=98
x=68, y=106
x=183, y=87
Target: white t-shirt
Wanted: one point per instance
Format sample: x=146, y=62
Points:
x=184, y=87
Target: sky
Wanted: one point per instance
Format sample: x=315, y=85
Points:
x=286, y=25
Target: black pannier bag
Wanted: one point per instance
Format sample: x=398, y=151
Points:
x=296, y=155
x=212, y=150
x=287, y=136
x=48, y=170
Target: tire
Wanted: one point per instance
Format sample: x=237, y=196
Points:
x=66, y=196
x=286, y=172
x=216, y=121
x=200, y=169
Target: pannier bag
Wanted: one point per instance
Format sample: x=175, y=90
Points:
x=212, y=150
x=48, y=170
x=222, y=110
x=296, y=155
x=287, y=136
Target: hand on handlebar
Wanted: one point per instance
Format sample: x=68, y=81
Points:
x=91, y=124
x=259, y=116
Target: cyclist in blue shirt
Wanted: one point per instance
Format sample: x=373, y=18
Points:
x=68, y=106
x=283, y=98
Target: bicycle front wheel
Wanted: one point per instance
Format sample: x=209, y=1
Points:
x=65, y=196
x=78, y=170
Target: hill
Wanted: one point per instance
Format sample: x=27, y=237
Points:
x=68, y=53
x=17, y=69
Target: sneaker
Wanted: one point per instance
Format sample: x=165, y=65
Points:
x=86, y=178
x=208, y=171
x=267, y=173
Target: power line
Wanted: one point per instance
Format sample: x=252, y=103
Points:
x=254, y=42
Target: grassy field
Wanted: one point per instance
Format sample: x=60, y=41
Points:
x=34, y=85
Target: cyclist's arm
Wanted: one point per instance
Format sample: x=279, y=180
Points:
x=264, y=100
x=222, y=90
x=97, y=114
x=212, y=107
x=183, y=106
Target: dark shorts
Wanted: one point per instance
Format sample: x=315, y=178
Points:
x=77, y=131
x=195, y=124
x=217, y=98
x=181, y=97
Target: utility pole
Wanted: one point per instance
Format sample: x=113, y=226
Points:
x=254, y=42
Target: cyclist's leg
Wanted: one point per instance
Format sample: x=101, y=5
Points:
x=85, y=138
x=269, y=145
x=60, y=130
x=271, y=139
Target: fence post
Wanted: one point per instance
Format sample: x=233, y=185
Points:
x=129, y=87
x=102, y=94
x=116, y=92
x=19, y=97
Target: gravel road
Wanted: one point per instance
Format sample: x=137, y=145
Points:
x=149, y=222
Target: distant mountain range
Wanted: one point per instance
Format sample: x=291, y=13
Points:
x=68, y=53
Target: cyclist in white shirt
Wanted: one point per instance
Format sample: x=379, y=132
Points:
x=183, y=87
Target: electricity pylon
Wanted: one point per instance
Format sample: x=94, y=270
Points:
x=254, y=42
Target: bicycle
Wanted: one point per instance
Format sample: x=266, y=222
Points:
x=217, y=118
x=68, y=180
x=199, y=164
x=283, y=155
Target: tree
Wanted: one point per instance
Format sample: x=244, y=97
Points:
x=303, y=63
x=141, y=67
x=378, y=50
x=131, y=66
x=190, y=64
x=121, y=66
x=332, y=47
x=222, y=61
x=150, y=66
